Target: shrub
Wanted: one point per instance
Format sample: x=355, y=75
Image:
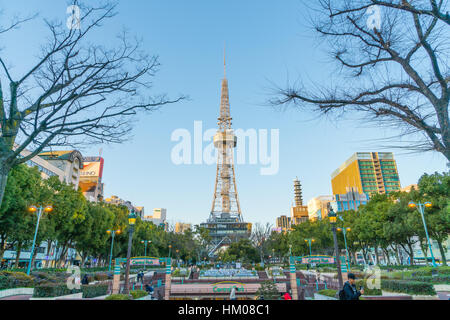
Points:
x=49, y=290
x=442, y=279
x=409, y=287
x=367, y=291
x=118, y=297
x=96, y=290
x=328, y=292
x=138, y=294
x=101, y=276
x=9, y=280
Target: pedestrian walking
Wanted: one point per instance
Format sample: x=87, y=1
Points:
x=349, y=292
x=233, y=294
x=85, y=280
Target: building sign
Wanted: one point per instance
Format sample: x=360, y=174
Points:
x=318, y=260
x=227, y=286
x=145, y=262
x=92, y=169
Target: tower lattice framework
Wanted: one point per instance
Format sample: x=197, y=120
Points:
x=226, y=200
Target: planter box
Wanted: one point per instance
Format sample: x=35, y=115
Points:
x=391, y=297
x=16, y=292
x=69, y=297
x=395, y=295
x=318, y=296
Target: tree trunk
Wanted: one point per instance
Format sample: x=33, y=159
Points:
x=424, y=248
x=18, y=251
x=441, y=249
x=49, y=247
x=377, y=258
x=2, y=246
x=386, y=256
x=4, y=171
x=411, y=254
x=36, y=249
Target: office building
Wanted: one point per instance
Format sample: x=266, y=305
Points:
x=182, y=227
x=283, y=223
x=366, y=173
x=318, y=207
x=70, y=162
x=91, y=178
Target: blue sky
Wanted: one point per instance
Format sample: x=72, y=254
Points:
x=266, y=42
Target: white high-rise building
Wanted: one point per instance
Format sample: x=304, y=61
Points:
x=158, y=218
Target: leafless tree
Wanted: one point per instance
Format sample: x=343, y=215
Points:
x=77, y=93
x=393, y=67
x=260, y=235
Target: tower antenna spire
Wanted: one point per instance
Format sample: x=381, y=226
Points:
x=224, y=61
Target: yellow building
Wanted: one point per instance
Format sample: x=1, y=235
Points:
x=367, y=172
x=182, y=227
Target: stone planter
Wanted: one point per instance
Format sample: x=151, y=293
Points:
x=69, y=297
x=16, y=292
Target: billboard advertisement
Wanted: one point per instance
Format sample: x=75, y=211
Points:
x=92, y=168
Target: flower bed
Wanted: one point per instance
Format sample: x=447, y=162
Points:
x=137, y=294
x=118, y=297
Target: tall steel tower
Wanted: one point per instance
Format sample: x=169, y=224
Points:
x=225, y=223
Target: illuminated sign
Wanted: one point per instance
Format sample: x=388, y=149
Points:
x=145, y=261
x=318, y=259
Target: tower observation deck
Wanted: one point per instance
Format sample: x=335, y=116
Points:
x=225, y=222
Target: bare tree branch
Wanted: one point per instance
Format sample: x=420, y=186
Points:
x=399, y=68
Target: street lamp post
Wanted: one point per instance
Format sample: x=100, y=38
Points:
x=332, y=216
x=309, y=241
x=344, y=231
x=131, y=223
x=421, y=208
x=113, y=233
x=145, y=242
x=170, y=247
x=39, y=211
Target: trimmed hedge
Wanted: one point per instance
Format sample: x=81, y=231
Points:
x=138, y=294
x=409, y=287
x=367, y=291
x=10, y=280
x=101, y=276
x=50, y=290
x=96, y=290
x=118, y=297
x=440, y=279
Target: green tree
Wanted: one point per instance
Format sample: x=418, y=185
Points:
x=435, y=188
x=268, y=291
x=83, y=93
x=16, y=222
